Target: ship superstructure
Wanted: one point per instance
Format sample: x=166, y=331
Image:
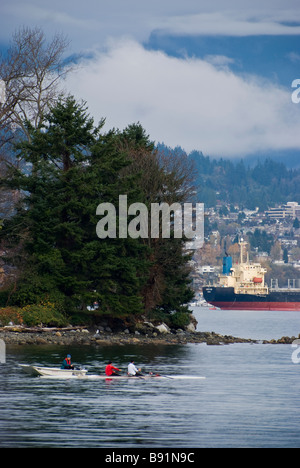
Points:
x=242, y=286
x=245, y=277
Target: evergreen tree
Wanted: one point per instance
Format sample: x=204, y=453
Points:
x=74, y=168
x=162, y=178
x=296, y=223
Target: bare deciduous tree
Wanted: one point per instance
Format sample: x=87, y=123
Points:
x=31, y=70
x=30, y=82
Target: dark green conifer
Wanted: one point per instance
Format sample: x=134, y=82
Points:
x=74, y=168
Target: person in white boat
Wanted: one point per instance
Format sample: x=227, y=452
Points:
x=132, y=370
x=67, y=363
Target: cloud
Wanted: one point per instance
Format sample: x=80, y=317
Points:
x=294, y=57
x=33, y=14
x=219, y=60
x=93, y=21
x=187, y=102
x=232, y=23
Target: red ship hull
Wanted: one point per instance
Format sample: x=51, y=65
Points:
x=226, y=299
x=284, y=306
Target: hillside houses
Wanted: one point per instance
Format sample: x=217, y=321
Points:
x=279, y=229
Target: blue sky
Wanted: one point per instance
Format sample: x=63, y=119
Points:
x=213, y=76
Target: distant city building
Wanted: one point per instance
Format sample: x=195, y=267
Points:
x=291, y=209
x=2, y=92
x=206, y=269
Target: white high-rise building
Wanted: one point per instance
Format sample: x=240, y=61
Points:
x=2, y=92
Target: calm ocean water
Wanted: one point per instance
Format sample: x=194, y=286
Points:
x=250, y=397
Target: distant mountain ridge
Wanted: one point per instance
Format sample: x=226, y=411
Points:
x=252, y=182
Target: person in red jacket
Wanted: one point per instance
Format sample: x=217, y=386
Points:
x=111, y=370
x=67, y=363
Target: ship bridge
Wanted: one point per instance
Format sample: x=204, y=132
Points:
x=246, y=277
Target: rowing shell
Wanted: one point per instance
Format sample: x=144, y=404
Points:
x=122, y=377
x=55, y=373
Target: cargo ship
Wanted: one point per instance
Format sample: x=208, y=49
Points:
x=243, y=287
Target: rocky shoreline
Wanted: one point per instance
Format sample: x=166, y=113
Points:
x=149, y=335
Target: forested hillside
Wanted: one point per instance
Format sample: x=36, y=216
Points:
x=262, y=185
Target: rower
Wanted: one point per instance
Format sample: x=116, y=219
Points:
x=132, y=370
x=67, y=363
x=111, y=370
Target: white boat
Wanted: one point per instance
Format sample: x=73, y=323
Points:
x=53, y=371
x=56, y=373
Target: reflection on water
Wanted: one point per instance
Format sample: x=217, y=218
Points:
x=257, y=325
x=250, y=398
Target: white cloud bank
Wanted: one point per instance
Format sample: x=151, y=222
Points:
x=188, y=102
x=88, y=24
x=233, y=22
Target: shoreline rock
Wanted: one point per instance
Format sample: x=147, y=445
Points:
x=82, y=336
